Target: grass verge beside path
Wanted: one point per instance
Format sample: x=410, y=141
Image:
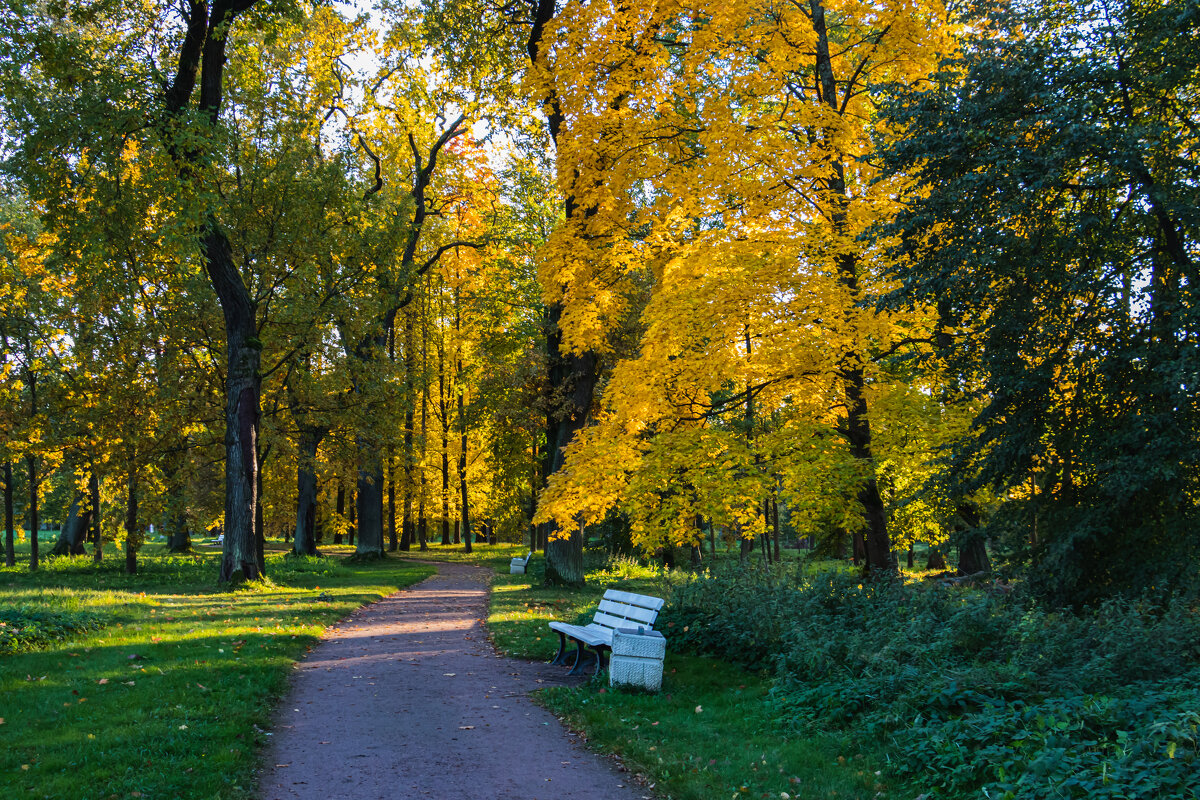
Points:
x=167, y=690
x=712, y=733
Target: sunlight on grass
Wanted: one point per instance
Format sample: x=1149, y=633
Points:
x=173, y=695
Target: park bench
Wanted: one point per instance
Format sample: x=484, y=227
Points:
x=617, y=610
x=518, y=565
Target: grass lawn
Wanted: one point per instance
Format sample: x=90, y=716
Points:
x=711, y=733
x=161, y=684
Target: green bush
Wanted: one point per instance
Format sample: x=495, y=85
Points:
x=24, y=628
x=976, y=689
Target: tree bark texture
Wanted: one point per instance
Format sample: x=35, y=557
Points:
x=94, y=503
x=10, y=553
x=305, y=541
x=571, y=377
x=74, y=530
x=369, y=503
x=857, y=423
x=410, y=365
x=202, y=61
x=131, y=523
x=31, y=464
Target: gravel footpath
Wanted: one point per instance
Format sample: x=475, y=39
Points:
x=407, y=698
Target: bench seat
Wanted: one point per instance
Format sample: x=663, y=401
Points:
x=617, y=610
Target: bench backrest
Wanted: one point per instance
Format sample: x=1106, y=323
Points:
x=627, y=610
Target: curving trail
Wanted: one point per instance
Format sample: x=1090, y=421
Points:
x=406, y=698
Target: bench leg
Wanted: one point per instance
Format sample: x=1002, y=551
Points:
x=599, y=651
x=580, y=651
x=562, y=649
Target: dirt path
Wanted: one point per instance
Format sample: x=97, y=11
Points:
x=406, y=698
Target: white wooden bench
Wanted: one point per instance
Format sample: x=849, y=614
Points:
x=617, y=610
x=518, y=565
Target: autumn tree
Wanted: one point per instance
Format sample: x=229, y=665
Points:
x=737, y=188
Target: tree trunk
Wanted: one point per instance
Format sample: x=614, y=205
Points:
x=340, y=508
x=445, y=442
x=564, y=559
x=775, y=526
x=305, y=541
x=857, y=428
x=936, y=561
x=369, y=522
x=860, y=548
x=74, y=531
x=97, y=527
x=31, y=463
x=131, y=523
x=464, y=509
x=422, y=521
x=972, y=553
x=239, y=555
x=393, y=539
x=10, y=552
x=260, y=528
x=410, y=364
x=571, y=376
x=202, y=61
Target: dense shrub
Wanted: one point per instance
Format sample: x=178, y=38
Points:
x=977, y=689
x=26, y=628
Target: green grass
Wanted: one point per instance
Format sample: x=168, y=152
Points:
x=712, y=733
x=495, y=556
x=171, y=696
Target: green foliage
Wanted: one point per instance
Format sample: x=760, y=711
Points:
x=28, y=626
x=973, y=689
x=1052, y=225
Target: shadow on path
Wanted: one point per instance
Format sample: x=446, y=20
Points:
x=407, y=698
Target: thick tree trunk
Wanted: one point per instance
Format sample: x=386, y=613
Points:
x=369, y=520
x=240, y=552
x=564, y=559
x=74, y=530
x=305, y=541
x=10, y=552
x=857, y=424
x=573, y=380
x=571, y=376
x=202, y=62
x=972, y=551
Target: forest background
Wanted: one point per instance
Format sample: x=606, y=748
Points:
x=847, y=277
